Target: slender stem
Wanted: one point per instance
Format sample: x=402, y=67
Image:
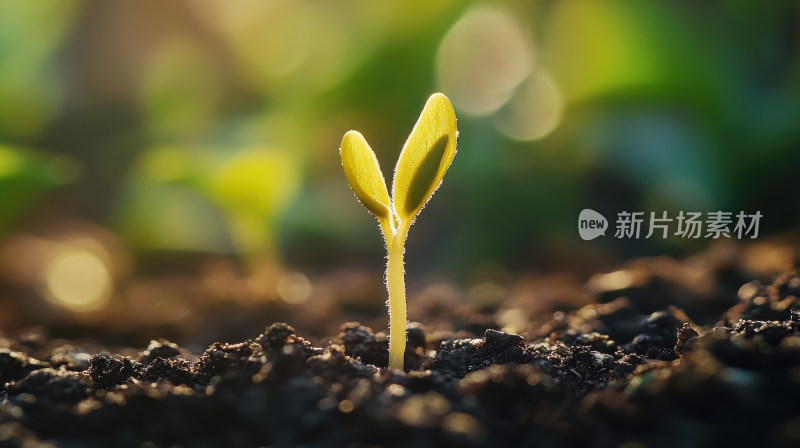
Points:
x=395, y=283
x=387, y=231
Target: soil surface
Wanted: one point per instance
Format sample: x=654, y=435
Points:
x=644, y=363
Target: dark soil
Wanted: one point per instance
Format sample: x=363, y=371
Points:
x=627, y=370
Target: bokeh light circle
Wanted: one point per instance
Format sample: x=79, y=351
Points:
x=482, y=59
x=534, y=111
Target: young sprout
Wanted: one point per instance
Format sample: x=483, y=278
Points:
x=425, y=157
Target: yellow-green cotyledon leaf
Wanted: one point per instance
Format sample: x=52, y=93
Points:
x=425, y=157
x=364, y=174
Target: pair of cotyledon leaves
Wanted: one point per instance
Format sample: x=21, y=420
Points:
x=425, y=158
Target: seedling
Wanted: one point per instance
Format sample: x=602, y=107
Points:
x=425, y=157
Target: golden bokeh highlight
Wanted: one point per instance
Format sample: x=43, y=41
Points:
x=78, y=279
x=612, y=281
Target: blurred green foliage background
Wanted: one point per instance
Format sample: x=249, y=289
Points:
x=199, y=127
